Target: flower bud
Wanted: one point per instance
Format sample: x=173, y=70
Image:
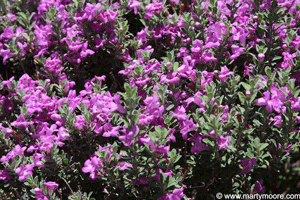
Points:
x=261, y=57
x=248, y=93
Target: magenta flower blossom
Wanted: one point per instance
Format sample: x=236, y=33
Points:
x=153, y=108
x=50, y=186
x=54, y=66
x=180, y=113
x=287, y=60
x=24, y=171
x=208, y=57
x=225, y=73
x=8, y=33
x=177, y=194
x=167, y=173
x=62, y=134
x=197, y=46
x=170, y=78
x=124, y=165
x=219, y=29
x=275, y=101
x=133, y=4
x=153, y=8
x=187, y=126
x=110, y=131
x=37, y=159
x=198, y=144
x=142, y=81
x=91, y=11
x=20, y=122
x=80, y=122
x=4, y=175
x=198, y=147
x=295, y=103
x=261, y=57
x=11, y=17
x=236, y=51
x=248, y=164
x=91, y=166
x=223, y=142
x=6, y=54
x=38, y=191
x=257, y=188
x=39, y=194
x=196, y=99
x=129, y=135
x=277, y=120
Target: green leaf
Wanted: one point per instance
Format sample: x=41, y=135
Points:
x=163, y=177
x=268, y=71
x=263, y=146
x=246, y=86
x=152, y=137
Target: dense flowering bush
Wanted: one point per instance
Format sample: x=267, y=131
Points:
x=148, y=99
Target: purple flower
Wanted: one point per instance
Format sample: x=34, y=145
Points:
x=170, y=78
x=80, y=122
x=129, y=135
x=177, y=194
x=223, y=142
x=37, y=159
x=257, y=188
x=277, y=120
x=187, y=126
x=57, y=117
x=4, y=175
x=287, y=59
x=124, y=165
x=239, y=34
x=8, y=33
x=295, y=104
x=54, y=66
x=91, y=166
x=225, y=73
x=50, y=186
x=197, y=46
x=20, y=122
x=275, y=102
x=39, y=194
x=196, y=100
x=236, y=51
x=133, y=4
x=248, y=164
x=23, y=48
x=208, y=57
x=153, y=8
x=142, y=81
x=19, y=150
x=11, y=17
x=91, y=10
x=110, y=131
x=219, y=29
x=8, y=83
x=24, y=171
x=261, y=57
x=6, y=54
x=38, y=191
x=198, y=147
x=62, y=134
